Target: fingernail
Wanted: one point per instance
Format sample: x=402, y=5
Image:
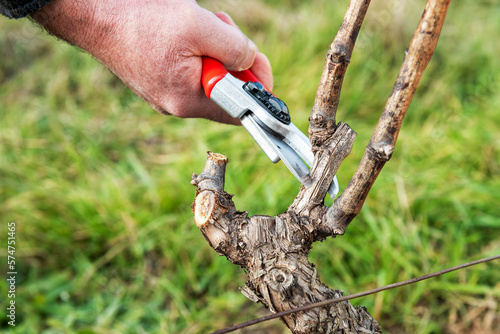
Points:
x=252, y=52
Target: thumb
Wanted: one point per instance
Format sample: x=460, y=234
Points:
x=226, y=19
x=225, y=42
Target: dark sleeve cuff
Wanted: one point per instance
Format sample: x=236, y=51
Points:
x=15, y=9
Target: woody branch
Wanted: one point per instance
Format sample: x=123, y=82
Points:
x=383, y=140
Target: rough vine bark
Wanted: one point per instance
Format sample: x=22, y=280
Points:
x=273, y=250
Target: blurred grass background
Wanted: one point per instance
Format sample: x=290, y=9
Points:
x=99, y=184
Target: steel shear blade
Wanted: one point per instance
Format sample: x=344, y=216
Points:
x=264, y=116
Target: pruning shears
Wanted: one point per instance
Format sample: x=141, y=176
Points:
x=263, y=115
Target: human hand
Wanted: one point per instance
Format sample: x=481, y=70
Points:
x=155, y=48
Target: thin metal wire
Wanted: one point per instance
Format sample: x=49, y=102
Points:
x=356, y=295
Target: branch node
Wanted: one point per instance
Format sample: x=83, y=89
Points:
x=339, y=54
x=381, y=152
x=280, y=279
x=338, y=231
x=213, y=175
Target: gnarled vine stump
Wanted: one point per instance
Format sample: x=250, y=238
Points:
x=273, y=250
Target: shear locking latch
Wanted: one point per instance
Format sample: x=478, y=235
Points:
x=271, y=103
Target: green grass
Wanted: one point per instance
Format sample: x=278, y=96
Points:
x=99, y=184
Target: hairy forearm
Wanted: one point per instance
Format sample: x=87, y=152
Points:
x=85, y=24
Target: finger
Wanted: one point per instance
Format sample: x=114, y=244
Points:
x=226, y=19
x=262, y=69
x=187, y=104
x=261, y=66
x=224, y=42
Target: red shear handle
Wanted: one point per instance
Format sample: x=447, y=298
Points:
x=214, y=71
x=245, y=76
